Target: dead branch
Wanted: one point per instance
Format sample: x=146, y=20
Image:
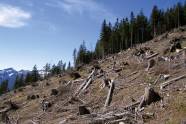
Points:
x=109, y=94
x=168, y=82
x=152, y=55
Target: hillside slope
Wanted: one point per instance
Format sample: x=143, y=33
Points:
x=129, y=72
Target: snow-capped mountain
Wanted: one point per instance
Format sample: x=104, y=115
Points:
x=10, y=75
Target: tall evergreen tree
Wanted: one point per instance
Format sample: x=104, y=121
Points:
x=64, y=67
x=132, y=27
x=69, y=65
x=34, y=74
x=4, y=87
x=27, y=78
x=74, y=56
x=154, y=19
x=16, y=83
x=21, y=81
x=60, y=65
x=184, y=14
x=103, y=37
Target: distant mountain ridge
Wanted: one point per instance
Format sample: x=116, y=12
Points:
x=10, y=75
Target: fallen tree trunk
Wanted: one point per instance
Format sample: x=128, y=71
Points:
x=109, y=94
x=131, y=74
x=88, y=83
x=152, y=55
x=136, y=103
x=83, y=84
x=76, y=93
x=168, y=82
x=135, y=78
x=157, y=79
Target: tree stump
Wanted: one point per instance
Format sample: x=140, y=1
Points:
x=54, y=92
x=150, y=95
x=151, y=63
x=83, y=110
x=4, y=117
x=46, y=105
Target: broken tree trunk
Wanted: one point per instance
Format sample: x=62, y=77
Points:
x=109, y=94
x=152, y=55
x=168, y=82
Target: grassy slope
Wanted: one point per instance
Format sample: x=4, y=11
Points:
x=174, y=95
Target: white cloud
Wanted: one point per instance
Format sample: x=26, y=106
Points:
x=12, y=17
x=85, y=8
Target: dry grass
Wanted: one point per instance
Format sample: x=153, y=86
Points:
x=173, y=98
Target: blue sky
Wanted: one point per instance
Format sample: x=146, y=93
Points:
x=40, y=31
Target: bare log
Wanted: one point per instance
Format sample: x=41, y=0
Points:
x=91, y=74
x=168, y=82
x=109, y=94
x=131, y=74
x=68, y=83
x=152, y=55
x=157, y=79
x=126, y=120
x=88, y=83
x=76, y=93
x=135, y=78
x=83, y=84
x=136, y=103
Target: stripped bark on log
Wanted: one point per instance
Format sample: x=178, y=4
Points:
x=88, y=83
x=168, y=82
x=109, y=94
x=83, y=84
x=157, y=79
x=77, y=92
x=135, y=78
x=131, y=74
x=152, y=55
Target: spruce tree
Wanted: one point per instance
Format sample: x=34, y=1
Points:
x=64, y=66
x=16, y=83
x=154, y=19
x=4, y=87
x=21, y=81
x=74, y=56
x=69, y=65
x=27, y=78
x=34, y=74
x=103, y=37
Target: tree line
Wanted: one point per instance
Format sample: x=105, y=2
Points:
x=126, y=32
